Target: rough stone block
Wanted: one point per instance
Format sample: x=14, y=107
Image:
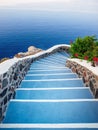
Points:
x=4, y=83
x=96, y=94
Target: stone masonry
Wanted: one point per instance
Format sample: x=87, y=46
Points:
x=9, y=81
x=89, y=78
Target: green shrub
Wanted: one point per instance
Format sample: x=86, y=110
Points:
x=95, y=52
x=84, y=48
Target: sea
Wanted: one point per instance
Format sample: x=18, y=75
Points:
x=20, y=29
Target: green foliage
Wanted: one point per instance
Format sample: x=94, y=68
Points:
x=85, y=48
x=96, y=43
x=95, y=52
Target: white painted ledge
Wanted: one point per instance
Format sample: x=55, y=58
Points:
x=4, y=66
x=64, y=125
x=86, y=64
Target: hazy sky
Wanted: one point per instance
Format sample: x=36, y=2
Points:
x=54, y=5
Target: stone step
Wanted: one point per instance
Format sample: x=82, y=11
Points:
x=51, y=83
x=64, y=54
x=52, y=71
x=59, y=56
x=46, y=68
x=48, y=62
x=56, y=76
x=52, y=111
x=73, y=93
x=53, y=59
x=69, y=126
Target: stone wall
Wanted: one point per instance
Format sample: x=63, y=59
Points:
x=89, y=78
x=9, y=81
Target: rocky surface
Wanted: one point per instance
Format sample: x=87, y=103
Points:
x=31, y=51
x=3, y=59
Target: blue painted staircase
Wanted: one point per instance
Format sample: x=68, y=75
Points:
x=51, y=96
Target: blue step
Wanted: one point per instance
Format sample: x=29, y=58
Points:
x=51, y=58
x=23, y=125
x=52, y=83
x=68, y=111
x=51, y=63
x=48, y=63
x=46, y=68
x=51, y=97
x=73, y=93
x=50, y=71
x=54, y=59
x=64, y=54
x=48, y=128
x=56, y=76
x=56, y=56
x=59, y=54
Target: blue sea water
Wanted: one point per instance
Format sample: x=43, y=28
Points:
x=20, y=29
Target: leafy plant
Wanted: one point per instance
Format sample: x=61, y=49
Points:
x=85, y=48
x=95, y=51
